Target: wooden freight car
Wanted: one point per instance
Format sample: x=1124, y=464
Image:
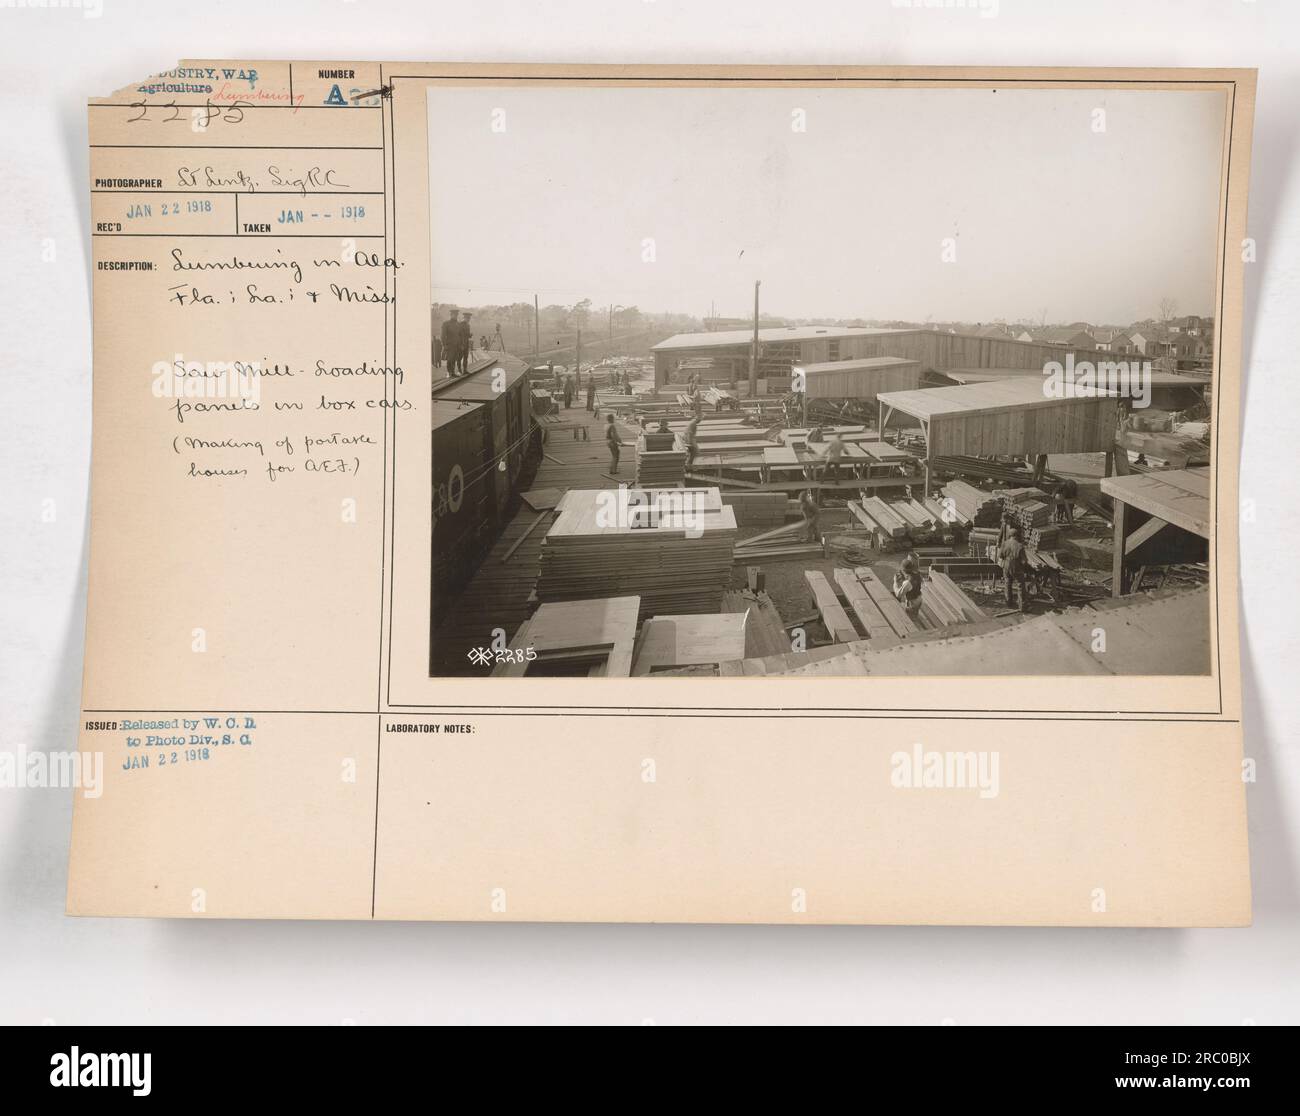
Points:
x=503, y=389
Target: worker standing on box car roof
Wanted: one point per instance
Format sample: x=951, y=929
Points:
x=466, y=342
x=611, y=440
x=451, y=340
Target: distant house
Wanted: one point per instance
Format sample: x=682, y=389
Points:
x=997, y=330
x=1152, y=341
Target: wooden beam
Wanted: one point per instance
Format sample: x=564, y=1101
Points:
x=832, y=612
x=1121, y=536
x=1145, y=533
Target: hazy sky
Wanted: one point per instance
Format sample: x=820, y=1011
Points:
x=845, y=219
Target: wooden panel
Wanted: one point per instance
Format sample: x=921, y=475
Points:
x=609, y=624
x=689, y=640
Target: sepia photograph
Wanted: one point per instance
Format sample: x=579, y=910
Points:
x=844, y=381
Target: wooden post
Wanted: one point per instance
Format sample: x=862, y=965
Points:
x=753, y=355
x=537, y=331
x=1121, y=537
x=577, y=355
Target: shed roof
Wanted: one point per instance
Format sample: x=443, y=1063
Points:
x=984, y=375
x=728, y=337
x=1019, y=393
x=1178, y=496
x=858, y=365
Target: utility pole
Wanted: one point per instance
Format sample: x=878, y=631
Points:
x=537, y=331
x=577, y=356
x=753, y=356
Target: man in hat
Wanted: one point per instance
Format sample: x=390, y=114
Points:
x=450, y=334
x=466, y=341
x=611, y=440
x=1015, y=566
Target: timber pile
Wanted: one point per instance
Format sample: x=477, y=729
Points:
x=981, y=538
x=947, y=601
x=878, y=514
x=945, y=514
x=788, y=541
x=1010, y=496
x=1030, y=514
x=1046, y=538
x=766, y=509
x=980, y=469
x=982, y=509
x=659, y=467
x=676, y=559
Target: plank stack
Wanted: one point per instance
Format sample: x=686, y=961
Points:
x=757, y=509
x=659, y=467
x=671, y=547
x=975, y=506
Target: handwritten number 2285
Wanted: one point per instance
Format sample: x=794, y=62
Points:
x=232, y=114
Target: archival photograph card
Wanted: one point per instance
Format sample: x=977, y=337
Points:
x=666, y=493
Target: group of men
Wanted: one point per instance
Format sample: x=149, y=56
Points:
x=455, y=343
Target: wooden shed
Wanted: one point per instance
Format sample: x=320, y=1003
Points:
x=862, y=379
x=1017, y=418
x=1160, y=517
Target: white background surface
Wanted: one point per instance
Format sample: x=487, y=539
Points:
x=102, y=971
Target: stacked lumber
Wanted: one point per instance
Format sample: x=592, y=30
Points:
x=788, y=541
x=1010, y=496
x=944, y=513
x=946, y=598
x=674, y=550
x=1030, y=514
x=1046, y=538
x=983, y=509
x=981, y=538
x=757, y=508
x=980, y=469
x=884, y=517
x=659, y=467
x=913, y=514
